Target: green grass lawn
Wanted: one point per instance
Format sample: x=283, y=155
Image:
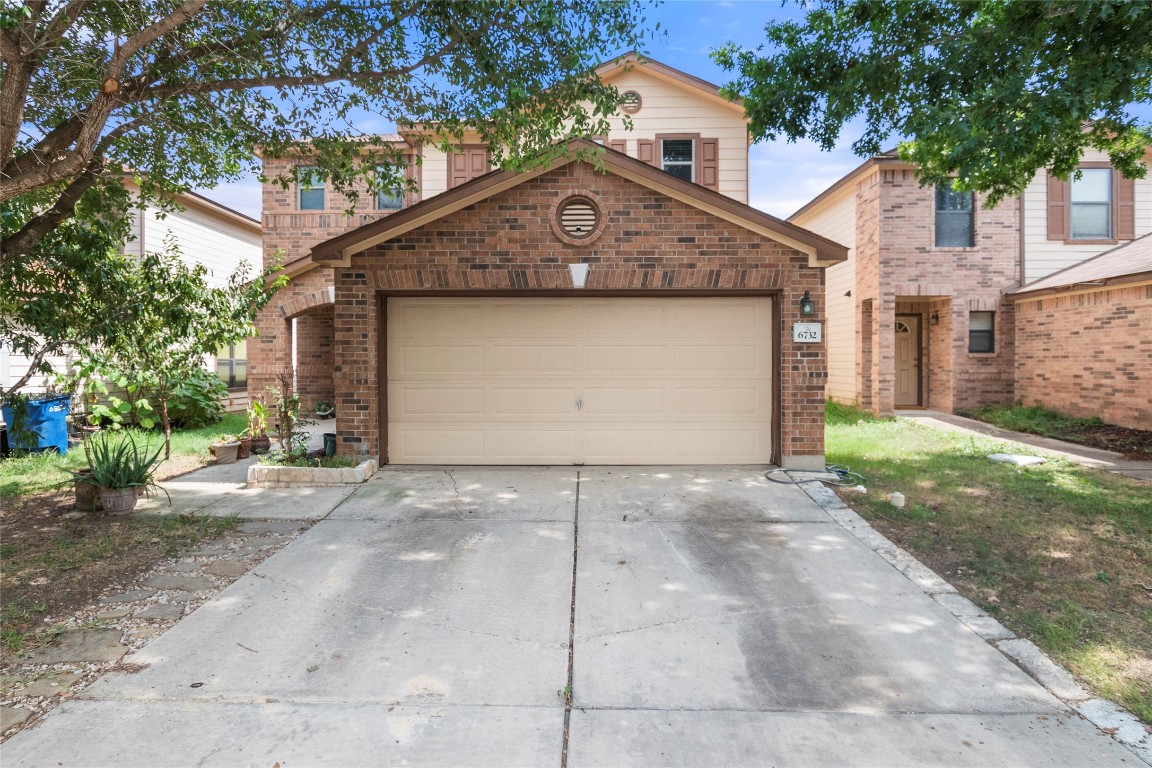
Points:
x=39, y=472
x=1061, y=554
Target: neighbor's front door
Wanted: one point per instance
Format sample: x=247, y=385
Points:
x=907, y=360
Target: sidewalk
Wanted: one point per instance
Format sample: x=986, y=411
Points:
x=1045, y=446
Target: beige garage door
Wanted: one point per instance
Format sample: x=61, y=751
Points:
x=579, y=380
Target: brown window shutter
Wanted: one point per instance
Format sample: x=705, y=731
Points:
x=467, y=165
x=1058, y=194
x=619, y=145
x=710, y=163
x=1124, y=212
x=646, y=151
x=412, y=173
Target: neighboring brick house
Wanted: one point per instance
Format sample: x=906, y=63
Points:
x=1084, y=337
x=918, y=315
x=456, y=330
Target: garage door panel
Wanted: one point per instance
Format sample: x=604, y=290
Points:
x=730, y=446
x=660, y=381
x=532, y=445
x=624, y=401
x=625, y=446
x=441, y=318
x=553, y=359
x=625, y=358
x=529, y=318
x=423, y=445
x=430, y=400
x=701, y=318
x=529, y=402
x=438, y=358
x=719, y=401
x=622, y=317
x=717, y=358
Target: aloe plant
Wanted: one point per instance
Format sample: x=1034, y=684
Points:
x=118, y=461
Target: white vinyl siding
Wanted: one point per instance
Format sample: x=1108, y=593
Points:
x=1042, y=256
x=835, y=219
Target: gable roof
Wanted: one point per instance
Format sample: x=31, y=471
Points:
x=1127, y=263
x=625, y=62
x=338, y=250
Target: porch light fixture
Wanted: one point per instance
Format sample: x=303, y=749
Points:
x=807, y=308
x=579, y=274
x=934, y=318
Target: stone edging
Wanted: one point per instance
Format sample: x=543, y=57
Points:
x=271, y=476
x=1121, y=724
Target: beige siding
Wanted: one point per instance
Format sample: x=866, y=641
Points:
x=669, y=108
x=217, y=243
x=433, y=173
x=835, y=219
x=13, y=366
x=1043, y=256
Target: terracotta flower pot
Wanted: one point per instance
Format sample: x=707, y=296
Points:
x=118, y=501
x=261, y=444
x=245, y=448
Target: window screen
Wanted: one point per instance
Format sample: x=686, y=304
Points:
x=1092, y=205
x=678, y=158
x=954, y=218
x=981, y=332
x=311, y=189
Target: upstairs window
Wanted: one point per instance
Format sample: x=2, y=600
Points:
x=310, y=189
x=981, y=332
x=954, y=218
x=678, y=157
x=386, y=199
x=1091, y=198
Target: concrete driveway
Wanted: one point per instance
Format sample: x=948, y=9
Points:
x=431, y=619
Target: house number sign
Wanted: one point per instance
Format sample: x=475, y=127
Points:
x=807, y=333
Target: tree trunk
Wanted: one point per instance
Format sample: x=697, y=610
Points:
x=165, y=421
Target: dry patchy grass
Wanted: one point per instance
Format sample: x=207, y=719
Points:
x=1059, y=553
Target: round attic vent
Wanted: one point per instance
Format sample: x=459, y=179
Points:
x=630, y=102
x=579, y=217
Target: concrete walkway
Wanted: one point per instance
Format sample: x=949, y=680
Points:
x=578, y=616
x=1045, y=446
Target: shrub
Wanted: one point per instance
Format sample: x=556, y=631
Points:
x=196, y=401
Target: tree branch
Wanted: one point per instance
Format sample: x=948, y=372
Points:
x=33, y=364
x=19, y=244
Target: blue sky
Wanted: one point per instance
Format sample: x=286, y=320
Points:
x=783, y=176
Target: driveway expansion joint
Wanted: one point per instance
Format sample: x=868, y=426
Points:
x=1111, y=719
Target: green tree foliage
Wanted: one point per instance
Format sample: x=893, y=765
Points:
x=172, y=318
x=987, y=91
x=183, y=91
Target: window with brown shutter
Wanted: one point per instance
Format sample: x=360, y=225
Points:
x=1113, y=199
x=467, y=164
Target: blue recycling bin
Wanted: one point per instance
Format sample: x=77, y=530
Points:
x=47, y=421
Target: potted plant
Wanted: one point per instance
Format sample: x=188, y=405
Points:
x=119, y=468
x=325, y=409
x=257, y=429
x=226, y=449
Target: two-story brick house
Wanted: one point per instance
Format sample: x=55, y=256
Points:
x=622, y=304
x=926, y=312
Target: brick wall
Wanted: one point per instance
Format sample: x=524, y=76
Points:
x=293, y=232
x=897, y=260
x=651, y=242
x=1089, y=354
x=308, y=297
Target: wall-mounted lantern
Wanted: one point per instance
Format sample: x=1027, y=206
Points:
x=807, y=308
